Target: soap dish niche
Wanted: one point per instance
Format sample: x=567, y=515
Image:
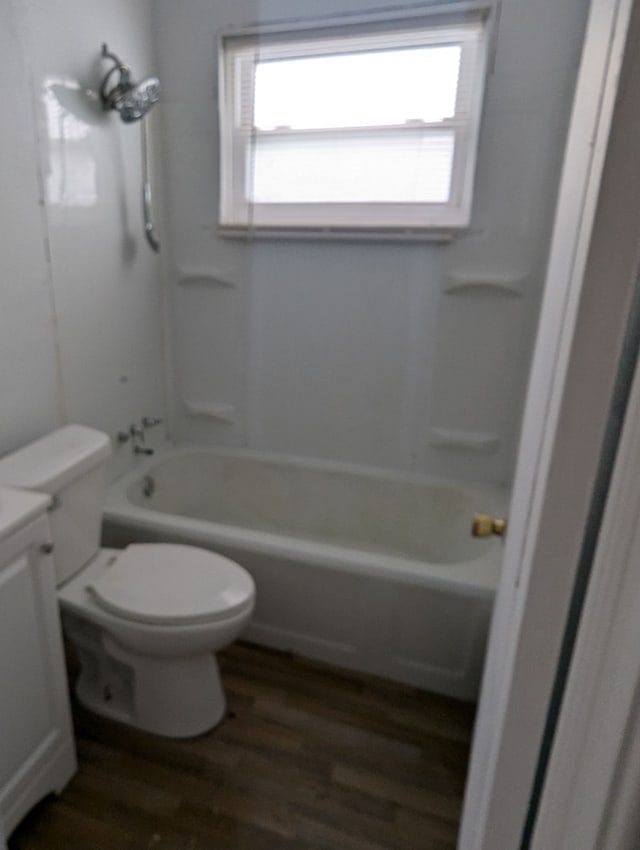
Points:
x=484, y=283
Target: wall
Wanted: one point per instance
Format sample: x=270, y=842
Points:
x=400, y=355
x=80, y=301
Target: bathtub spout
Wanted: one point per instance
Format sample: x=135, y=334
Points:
x=148, y=486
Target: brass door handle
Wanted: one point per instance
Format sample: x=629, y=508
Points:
x=484, y=526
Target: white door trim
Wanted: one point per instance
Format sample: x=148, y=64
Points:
x=595, y=761
x=589, y=799
x=565, y=416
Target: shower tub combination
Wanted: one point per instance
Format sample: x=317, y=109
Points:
x=365, y=569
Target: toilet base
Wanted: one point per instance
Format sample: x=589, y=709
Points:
x=176, y=697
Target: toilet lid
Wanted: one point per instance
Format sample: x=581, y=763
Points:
x=168, y=584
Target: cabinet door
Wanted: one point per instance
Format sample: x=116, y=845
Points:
x=34, y=712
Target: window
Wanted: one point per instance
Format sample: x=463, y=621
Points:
x=372, y=127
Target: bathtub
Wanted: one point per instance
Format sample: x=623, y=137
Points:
x=365, y=569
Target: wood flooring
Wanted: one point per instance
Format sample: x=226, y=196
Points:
x=308, y=758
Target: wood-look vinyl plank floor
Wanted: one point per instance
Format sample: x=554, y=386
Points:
x=308, y=758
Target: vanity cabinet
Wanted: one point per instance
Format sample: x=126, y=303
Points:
x=37, y=753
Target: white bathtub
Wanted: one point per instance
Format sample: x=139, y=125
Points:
x=362, y=568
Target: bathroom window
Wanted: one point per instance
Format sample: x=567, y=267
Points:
x=370, y=127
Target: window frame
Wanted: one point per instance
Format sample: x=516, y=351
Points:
x=239, y=52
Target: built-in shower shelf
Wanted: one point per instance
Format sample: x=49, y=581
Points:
x=196, y=277
x=477, y=283
x=473, y=441
x=217, y=410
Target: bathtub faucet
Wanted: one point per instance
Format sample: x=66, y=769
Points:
x=151, y=421
x=138, y=439
x=136, y=433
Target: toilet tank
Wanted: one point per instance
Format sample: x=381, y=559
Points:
x=69, y=465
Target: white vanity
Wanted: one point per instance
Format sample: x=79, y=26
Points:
x=37, y=753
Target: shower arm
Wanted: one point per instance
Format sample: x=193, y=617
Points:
x=111, y=97
x=107, y=54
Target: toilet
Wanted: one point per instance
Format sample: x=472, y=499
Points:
x=145, y=621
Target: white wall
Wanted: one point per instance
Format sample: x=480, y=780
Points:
x=355, y=351
x=80, y=293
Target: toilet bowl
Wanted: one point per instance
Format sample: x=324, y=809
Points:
x=145, y=621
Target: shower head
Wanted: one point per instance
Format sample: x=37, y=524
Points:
x=139, y=98
x=130, y=98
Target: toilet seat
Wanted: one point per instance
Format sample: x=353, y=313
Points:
x=167, y=584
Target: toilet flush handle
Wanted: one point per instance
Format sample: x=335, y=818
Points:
x=54, y=504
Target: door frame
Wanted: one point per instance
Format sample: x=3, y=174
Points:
x=589, y=796
x=580, y=335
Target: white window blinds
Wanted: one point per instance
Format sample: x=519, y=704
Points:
x=352, y=129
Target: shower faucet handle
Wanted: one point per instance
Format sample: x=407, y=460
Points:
x=151, y=421
x=142, y=450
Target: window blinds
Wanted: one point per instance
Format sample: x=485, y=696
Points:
x=375, y=128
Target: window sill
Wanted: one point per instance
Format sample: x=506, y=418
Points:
x=340, y=234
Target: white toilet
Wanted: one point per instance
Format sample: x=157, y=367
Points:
x=145, y=621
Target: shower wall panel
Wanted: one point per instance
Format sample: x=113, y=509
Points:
x=357, y=351
x=80, y=305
